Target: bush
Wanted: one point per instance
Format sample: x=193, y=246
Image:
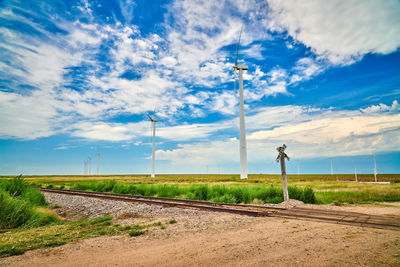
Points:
x=308, y=195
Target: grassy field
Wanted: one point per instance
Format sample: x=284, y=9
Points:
x=339, y=188
x=26, y=221
x=17, y=241
x=209, y=178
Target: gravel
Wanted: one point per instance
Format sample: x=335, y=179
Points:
x=78, y=206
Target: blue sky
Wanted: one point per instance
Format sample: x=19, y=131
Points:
x=77, y=77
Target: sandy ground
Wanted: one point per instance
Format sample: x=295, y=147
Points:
x=218, y=239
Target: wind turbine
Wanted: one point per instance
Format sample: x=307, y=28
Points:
x=90, y=165
x=243, y=150
x=153, y=156
x=375, y=169
x=98, y=161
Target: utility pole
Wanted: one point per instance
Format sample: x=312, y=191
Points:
x=281, y=157
x=375, y=170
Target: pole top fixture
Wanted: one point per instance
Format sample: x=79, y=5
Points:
x=282, y=153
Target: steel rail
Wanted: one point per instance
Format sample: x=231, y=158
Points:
x=332, y=216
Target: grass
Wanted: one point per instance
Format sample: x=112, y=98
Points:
x=20, y=205
x=17, y=241
x=345, y=190
x=204, y=178
x=216, y=193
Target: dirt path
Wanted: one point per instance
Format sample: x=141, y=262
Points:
x=216, y=239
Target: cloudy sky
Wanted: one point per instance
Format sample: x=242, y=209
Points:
x=79, y=76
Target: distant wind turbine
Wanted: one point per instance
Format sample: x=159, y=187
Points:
x=90, y=164
x=375, y=169
x=153, y=156
x=98, y=161
x=243, y=150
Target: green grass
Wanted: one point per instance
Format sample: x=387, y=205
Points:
x=216, y=193
x=320, y=183
x=136, y=232
x=368, y=196
x=20, y=240
x=19, y=205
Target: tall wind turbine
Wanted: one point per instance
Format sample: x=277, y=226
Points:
x=243, y=150
x=153, y=156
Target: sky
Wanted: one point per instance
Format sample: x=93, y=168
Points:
x=79, y=77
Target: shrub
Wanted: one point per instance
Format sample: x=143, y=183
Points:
x=308, y=195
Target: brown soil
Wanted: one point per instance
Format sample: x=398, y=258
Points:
x=218, y=239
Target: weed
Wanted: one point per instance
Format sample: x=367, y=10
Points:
x=55, y=206
x=127, y=227
x=157, y=224
x=172, y=221
x=136, y=232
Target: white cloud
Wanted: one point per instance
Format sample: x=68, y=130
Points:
x=129, y=131
x=308, y=132
x=254, y=51
x=382, y=108
x=109, y=131
x=305, y=68
x=198, y=154
x=340, y=30
x=27, y=117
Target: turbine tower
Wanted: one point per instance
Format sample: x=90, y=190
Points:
x=90, y=165
x=153, y=156
x=243, y=150
x=98, y=162
x=375, y=169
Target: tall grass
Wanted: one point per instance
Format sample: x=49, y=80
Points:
x=216, y=193
x=366, y=196
x=18, y=205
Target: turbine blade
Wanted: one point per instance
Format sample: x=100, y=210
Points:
x=150, y=117
x=237, y=50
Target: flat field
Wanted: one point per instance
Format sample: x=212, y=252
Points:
x=337, y=189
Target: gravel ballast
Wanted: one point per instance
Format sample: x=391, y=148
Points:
x=92, y=207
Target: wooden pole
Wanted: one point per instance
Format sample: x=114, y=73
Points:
x=284, y=179
x=281, y=157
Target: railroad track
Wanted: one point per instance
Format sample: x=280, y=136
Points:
x=330, y=216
